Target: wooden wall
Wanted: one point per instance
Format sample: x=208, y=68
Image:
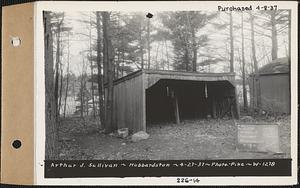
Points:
x=129, y=104
x=130, y=95
x=274, y=92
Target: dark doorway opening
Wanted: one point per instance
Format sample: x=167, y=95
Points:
x=191, y=99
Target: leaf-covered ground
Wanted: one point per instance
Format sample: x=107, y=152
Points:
x=192, y=139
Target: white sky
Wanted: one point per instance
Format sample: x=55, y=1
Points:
x=217, y=42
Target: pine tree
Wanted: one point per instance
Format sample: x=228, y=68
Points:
x=183, y=27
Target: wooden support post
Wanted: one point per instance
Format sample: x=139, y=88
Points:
x=214, y=113
x=176, y=108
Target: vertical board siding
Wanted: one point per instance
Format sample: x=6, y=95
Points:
x=130, y=95
x=129, y=104
x=275, y=93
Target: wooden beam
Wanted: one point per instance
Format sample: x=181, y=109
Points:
x=214, y=110
x=176, y=108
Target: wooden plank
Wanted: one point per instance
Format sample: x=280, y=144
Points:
x=143, y=93
x=121, y=105
x=175, y=104
x=139, y=103
x=126, y=98
x=130, y=91
x=176, y=110
x=214, y=106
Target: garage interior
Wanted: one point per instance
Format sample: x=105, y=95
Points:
x=170, y=100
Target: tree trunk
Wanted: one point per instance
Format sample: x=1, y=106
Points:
x=194, y=61
x=167, y=54
x=141, y=46
x=60, y=91
x=50, y=103
x=186, y=58
x=108, y=60
x=99, y=67
x=274, y=35
x=231, y=45
x=289, y=33
x=118, y=65
x=243, y=67
x=86, y=99
x=148, y=42
x=57, y=67
x=81, y=97
x=256, y=89
x=92, y=70
x=68, y=72
x=122, y=61
x=156, y=60
x=66, y=93
x=253, y=44
x=82, y=80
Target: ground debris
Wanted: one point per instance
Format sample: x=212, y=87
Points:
x=122, y=133
x=200, y=139
x=246, y=118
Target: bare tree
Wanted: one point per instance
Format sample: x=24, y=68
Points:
x=253, y=49
x=231, y=44
x=91, y=67
x=108, y=60
x=99, y=67
x=141, y=42
x=60, y=89
x=149, y=16
x=59, y=23
x=67, y=74
x=243, y=65
x=50, y=103
x=274, y=36
x=255, y=63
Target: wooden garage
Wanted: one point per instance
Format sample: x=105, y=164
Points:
x=270, y=88
x=147, y=96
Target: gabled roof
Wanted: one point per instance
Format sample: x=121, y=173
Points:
x=178, y=75
x=280, y=65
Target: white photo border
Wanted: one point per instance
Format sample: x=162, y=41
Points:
x=39, y=90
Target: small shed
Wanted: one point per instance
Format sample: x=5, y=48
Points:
x=270, y=88
x=147, y=96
